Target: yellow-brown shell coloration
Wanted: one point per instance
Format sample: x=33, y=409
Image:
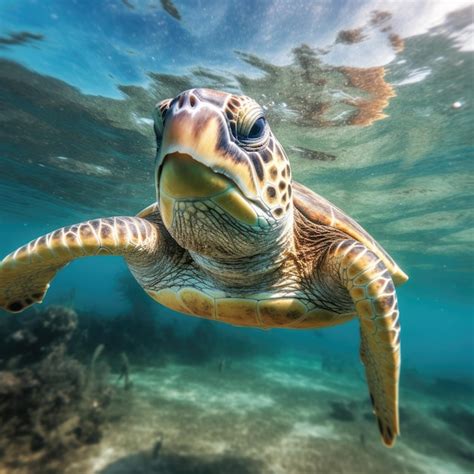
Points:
x=231, y=238
x=260, y=311
x=320, y=211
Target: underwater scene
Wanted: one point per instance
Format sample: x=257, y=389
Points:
x=276, y=206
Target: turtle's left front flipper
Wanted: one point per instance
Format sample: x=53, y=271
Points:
x=373, y=293
x=25, y=274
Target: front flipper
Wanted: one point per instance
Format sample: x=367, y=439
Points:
x=25, y=274
x=372, y=290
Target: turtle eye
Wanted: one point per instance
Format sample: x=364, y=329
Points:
x=258, y=129
x=159, y=118
x=252, y=128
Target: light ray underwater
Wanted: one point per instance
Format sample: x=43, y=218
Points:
x=275, y=202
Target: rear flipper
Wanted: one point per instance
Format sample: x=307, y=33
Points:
x=372, y=290
x=26, y=273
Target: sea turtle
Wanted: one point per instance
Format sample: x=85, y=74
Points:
x=232, y=238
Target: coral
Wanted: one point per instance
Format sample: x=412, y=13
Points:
x=36, y=334
x=49, y=403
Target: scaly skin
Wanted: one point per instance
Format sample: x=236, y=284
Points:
x=373, y=293
x=232, y=238
x=26, y=273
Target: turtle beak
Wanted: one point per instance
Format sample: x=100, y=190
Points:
x=199, y=130
x=184, y=179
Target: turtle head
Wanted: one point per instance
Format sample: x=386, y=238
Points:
x=223, y=181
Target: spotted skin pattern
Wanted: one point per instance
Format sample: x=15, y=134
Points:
x=263, y=162
x=269, y=160
x=232, y=238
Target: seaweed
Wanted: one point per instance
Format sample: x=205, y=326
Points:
x=125, y=372
x=132, y=332
x=146, y=338
x=155, y=452
x=36, y=334
x=222, y=365
x=49, y=404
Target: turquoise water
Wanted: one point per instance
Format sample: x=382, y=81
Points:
x=372, y=102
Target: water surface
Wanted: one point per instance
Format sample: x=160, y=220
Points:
x=373, y=103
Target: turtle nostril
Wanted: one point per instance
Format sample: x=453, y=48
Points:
x=181, y=101
x=192, y=100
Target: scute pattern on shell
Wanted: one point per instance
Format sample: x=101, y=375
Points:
x=319, y=210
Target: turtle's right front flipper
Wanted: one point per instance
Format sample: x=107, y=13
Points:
x=25, y=274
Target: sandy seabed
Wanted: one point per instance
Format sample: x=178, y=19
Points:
x=288, y=415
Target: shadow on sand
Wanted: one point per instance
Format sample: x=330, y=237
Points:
x=174, y=463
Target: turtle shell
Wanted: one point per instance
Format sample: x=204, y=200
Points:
x=148, y=211
x=320, y=211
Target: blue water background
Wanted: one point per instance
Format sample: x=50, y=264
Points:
x=96, y=46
